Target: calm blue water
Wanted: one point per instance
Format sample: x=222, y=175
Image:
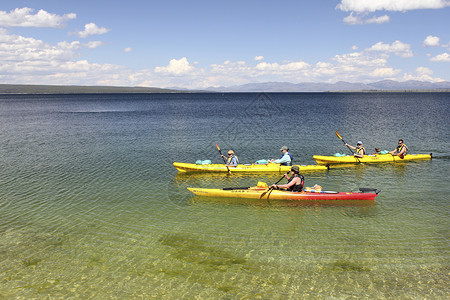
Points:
x=91, y=206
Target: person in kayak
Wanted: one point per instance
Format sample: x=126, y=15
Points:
x=285, y=159
x=295, y=182
x=400, y=150
x=360, y=150
x=231, y=160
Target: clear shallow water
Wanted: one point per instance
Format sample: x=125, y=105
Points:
x=91, y=206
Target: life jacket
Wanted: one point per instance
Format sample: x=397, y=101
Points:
x=230, y=160
x=290, y=155
x=399, y=148
x=287, y=163
x=358, y=150
x=297, y=187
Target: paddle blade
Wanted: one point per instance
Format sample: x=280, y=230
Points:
x=217, y=146
x=338, y=135
x=263, y=194
x=401, y=156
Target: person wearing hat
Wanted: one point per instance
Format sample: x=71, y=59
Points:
x=295, y=183
x=360, y=150
x=231, y=160
x=285, y=159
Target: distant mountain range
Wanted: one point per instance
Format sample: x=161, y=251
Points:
x=341, y=86
x=74, y=89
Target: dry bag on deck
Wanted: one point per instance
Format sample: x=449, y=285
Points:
x=203, y=162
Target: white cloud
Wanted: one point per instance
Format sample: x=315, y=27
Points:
x=176, y=67
x=15, y=48
x=91, y=29
x=257, y=58
x=424, y=71
x=364, y=6
x=358, y=66
x=23, y=17
x=231, y=67
x=364, y=66
x=323, y=68
x=378, y=20
x=421, y=74
x=85, y=66
x=353, y=20
x=384, y=72
x=354, y=47
x=444, y=57
x=94, y=44
x=127, y=49
x=267, y=66
x=357, y=19
x=29, y=60
x=359, y=59
x=287, y=67
x=398, y=48
x=431, y=41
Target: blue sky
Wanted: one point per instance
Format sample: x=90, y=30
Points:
x=198, y=44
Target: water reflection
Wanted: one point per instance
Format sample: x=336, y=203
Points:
x=284, y=203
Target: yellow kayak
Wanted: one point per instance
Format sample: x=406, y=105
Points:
x=370, y=159
x=243, y=168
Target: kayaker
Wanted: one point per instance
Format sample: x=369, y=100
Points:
x=401, y=150
x=360, y=150
x=231, y=160
x=285, y=159
x=295, y=183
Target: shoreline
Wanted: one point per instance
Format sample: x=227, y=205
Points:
x=23, y=89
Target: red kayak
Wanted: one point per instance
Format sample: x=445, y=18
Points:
x=267, y=193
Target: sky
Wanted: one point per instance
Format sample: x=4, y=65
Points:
x=200, y=44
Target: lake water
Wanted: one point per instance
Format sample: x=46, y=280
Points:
x=91, y=206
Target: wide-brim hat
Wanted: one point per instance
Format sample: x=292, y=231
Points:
x=295, y=169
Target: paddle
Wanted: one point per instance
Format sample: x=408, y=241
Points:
x=236, y=188
x=340, y=137
x=221, y=155
x=401, y=156
x=271, y=188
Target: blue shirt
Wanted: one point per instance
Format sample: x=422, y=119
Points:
x=232, y=161
x=284, y=159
